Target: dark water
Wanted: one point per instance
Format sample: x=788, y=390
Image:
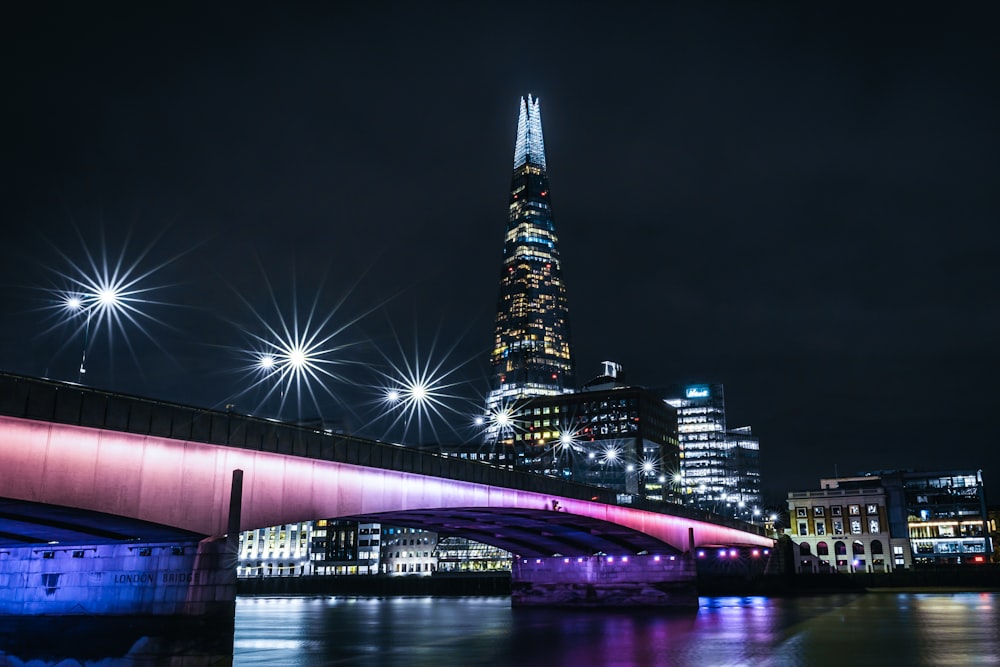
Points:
x=874, y=629
x=843, y=631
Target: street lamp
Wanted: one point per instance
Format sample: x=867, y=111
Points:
x=107, y=299
x=266, y=362
x=78, y=304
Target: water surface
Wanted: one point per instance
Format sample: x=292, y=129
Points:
x=885, y=629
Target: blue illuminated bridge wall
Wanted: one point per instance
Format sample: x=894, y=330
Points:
x=66, y=445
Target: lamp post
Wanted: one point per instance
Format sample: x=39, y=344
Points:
x=393, y=400
x=267, y=365
x=75, y=304
x=108, y=300
x=83, y=356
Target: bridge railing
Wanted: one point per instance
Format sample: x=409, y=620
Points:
x=67, y=403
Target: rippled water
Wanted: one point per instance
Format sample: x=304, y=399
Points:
x=874, y=629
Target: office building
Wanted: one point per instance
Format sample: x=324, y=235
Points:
x=460, y=554
x=609, y=434
x=341, y=547
x=275, y=551
x=720, y=467
x=409, y=551
x=942, y=512
x=531, y=353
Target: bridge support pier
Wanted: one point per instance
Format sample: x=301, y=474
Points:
x=124, y=578
x=147, y=602
x=604, y=581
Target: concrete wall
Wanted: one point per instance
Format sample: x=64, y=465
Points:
x=604, y=581
x=125, y=578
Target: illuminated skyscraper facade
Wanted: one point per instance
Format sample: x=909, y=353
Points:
x=531, y=352
x=720, y=467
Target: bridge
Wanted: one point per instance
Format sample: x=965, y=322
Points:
x=214, y=473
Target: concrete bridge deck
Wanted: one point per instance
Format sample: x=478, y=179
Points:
x=215, y=473
x=116, y=437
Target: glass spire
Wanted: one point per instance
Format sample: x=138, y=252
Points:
x=530, y=146
x=531, y=353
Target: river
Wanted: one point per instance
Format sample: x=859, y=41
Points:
x=886, y=629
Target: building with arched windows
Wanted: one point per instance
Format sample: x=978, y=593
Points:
x=844, y=530
x=882, y=521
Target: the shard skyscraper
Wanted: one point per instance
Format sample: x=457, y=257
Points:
x=532, y=355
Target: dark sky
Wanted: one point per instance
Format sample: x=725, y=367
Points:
x=798, y=200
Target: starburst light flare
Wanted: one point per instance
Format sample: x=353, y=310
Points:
x=295, y=357
x=611, y=455
x=503, y=419
x=648, y=466
x=418, y=391
x=294, y=360
x=498, y=424
x=104, y=295
x=566, y=443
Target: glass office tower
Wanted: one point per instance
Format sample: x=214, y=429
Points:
x=720, y=467
x=531, y=353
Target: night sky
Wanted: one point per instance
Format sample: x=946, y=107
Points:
x=797, y=200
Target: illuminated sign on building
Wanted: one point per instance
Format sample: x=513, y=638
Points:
x=696, y=392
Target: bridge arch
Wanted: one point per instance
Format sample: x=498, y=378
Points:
x=185, y=484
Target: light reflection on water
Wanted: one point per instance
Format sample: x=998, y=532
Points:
x=874, y=629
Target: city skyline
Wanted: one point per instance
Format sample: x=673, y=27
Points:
x=798, y=203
